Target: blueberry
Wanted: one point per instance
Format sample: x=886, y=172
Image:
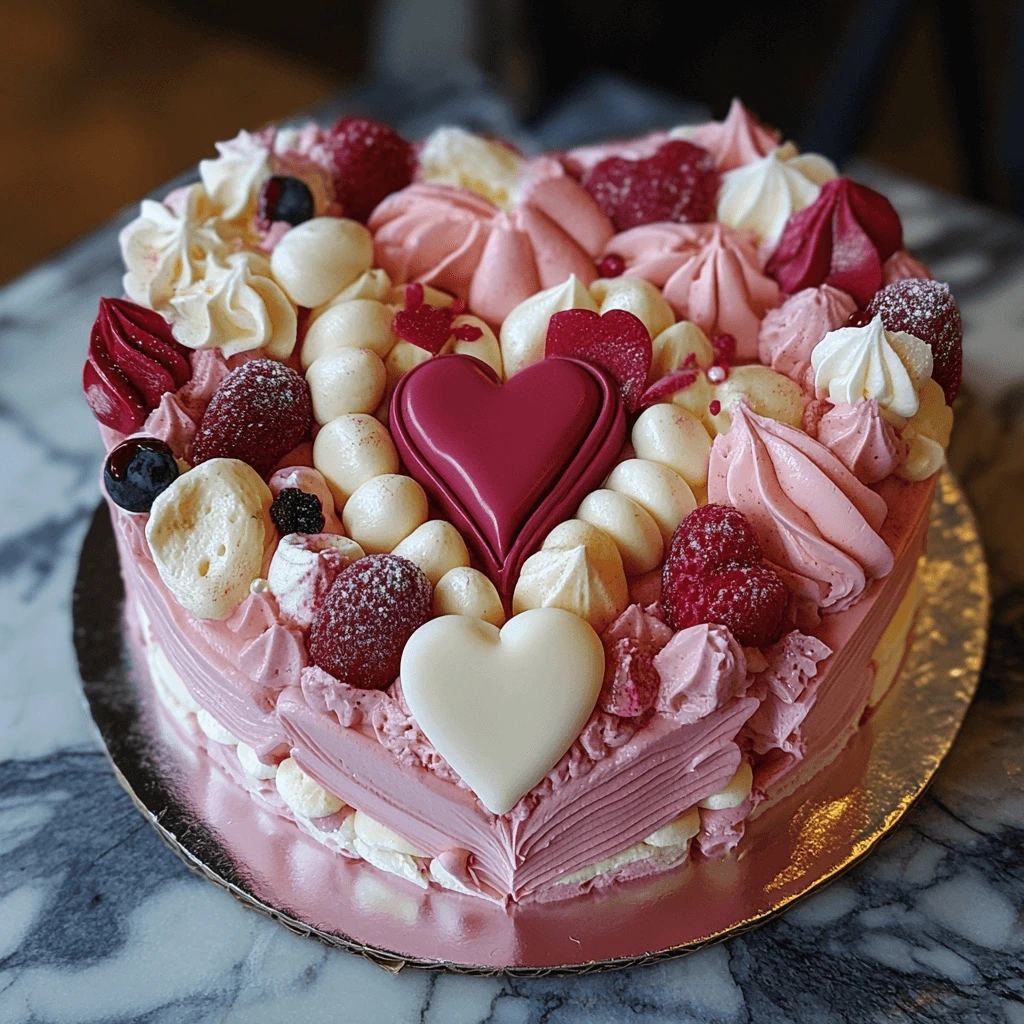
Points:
x=286, y=199
x=137, y=470
x=296, y=511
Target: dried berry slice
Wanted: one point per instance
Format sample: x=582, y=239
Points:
x=259, y=413
x=616, y=341
x=368, y=615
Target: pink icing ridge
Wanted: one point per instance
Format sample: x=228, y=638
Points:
x=862, y=439
x=459, y=241
x=788, y=334
x=710, y=273
x=815, y=520
x=737, y=140
x=900, y=266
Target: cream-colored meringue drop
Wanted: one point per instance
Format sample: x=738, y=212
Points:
x=767, y=392
x=236, y=306
x=464, y=590
x=384, y=511
x=350, y=450
x=207, y=534
x=636, y=296
x=371, y=284
x=578, y=569
x=165, y=251
x=346, y=380
x=453, y=156
x=736, y=791
x=676, y=438
x=660, y=491
x=635, y=533
x=485, y=348
x=357, y=323
x=676, y=832
x=762, y=195
x=854, y=363
x=319, y=257
x=525, y=329
x=303, y=795
x=436, y=547
x=927, y=434
x=674, y=345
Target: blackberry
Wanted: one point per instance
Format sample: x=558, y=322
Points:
x=296, y=511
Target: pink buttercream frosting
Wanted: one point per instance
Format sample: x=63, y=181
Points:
x=170, y=422
x=788, y=334
x=710, y=273
x=815, y=520
x=901, y=265
x=862, y=439
x=462, y=243
x=737, y=140
x=275, y=658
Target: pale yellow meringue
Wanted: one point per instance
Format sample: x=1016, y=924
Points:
x=384, y=511
x=319, y=257
x=673, y=346
x=436, y=547
x=927, y=434
x=350, y=450
x=636, y=296
x=357, y=323
x=635, y=533
x=766, y=392
x=467, y=591
x=660, y=491
x=676, y=438
x=453, y=156
x=347, y=380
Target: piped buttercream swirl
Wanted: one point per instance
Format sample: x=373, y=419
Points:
x=815, y=520
x=862, y=439
x=736, y=141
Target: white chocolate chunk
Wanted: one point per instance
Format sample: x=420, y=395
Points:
x=657, y=489
x=734, y=793
x=373, y=833
x=358, y=323
x=207, y=532
x=214, y=730
x=578, y=569
x=318, y=258
x=304, y=796
x=350, y=450
x=344, y=381
x=636, y=296
x=467, y=591
x=635, y=533
x=252, y=765
x=677, y=832
x=436, y=547
x=675, y=438
x=382, y=512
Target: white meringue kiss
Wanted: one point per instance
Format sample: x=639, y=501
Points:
x=467, y=591
x=350, y=450
x=660, y=491
x=384, y=511
x=436, y=547
x=347, y=380
x=318, y=258
x=636, y=296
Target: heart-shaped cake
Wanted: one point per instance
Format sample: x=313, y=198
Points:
x=478, y=513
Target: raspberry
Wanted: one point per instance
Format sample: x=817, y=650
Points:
x=258, y=414
x=927, y=310
x=370, y=162
x=616, y=341
x=296, y=511
x=712, y=536
x=631, y=682
x=750, y=599
x=678, y=183
x=373, y=607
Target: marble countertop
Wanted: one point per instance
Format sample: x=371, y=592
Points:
x=99, y=921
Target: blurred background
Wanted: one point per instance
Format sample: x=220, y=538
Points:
x=103, y=100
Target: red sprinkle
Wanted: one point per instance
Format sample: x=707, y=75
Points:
x=468, y=332
x=373, y=607
x=859, y=318
x=714, y=407
x=678, y=380
x=612, y=265
x=413, y=295
x=616, y=341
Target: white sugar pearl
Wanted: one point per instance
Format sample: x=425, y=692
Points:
x=359, y=323
x=319, y=257
x=635, y=533
x=734, y=793
x=467, y=591
x=675, y=438
x=345, y=381
x=350, y=450
x=436, y=547
x=382, y=512
x=656, y=488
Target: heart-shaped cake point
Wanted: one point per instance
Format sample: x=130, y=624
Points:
x=507, y=462
x=502, y=707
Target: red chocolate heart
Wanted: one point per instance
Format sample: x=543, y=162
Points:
x=507, y=462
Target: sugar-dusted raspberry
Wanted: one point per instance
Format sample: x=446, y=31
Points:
x=297, y=511
x=750, y=599
x=370, y=162
x=678, y=183
x=368, y=615
x=927, y=310
x=683, y=597
x=259, y=413
x=631, y=682
x=709, y=537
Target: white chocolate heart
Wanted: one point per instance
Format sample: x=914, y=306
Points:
x=503, y=706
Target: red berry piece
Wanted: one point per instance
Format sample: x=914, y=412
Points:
x=678, y=380
x=678, y=183
x=859, y=318
x=927, y=310
x=612, y=265
x=724, y=348
x=841, y=239
x=467, y=332
x=424, y=325
x=750, y=599
x=373, y=607
x=260, y=412
x=631, y=681
x=370, y=162
x=712, y=536
x=616, y=341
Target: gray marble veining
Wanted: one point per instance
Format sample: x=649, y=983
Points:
x=100, y=922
